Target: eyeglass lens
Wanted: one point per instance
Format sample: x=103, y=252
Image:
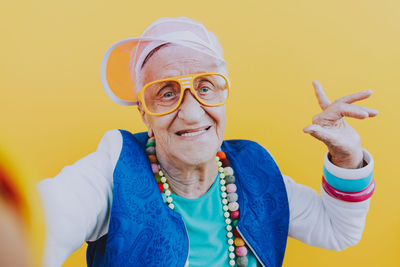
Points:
x=164, y=96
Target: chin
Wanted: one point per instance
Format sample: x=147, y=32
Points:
x=196, y=153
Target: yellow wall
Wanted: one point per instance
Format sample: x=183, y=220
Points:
x=54, y=108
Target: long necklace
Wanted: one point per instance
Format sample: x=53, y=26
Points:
x=237, y=246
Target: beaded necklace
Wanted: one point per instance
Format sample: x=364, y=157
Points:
x=237, y=246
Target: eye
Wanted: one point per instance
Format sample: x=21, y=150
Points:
x=168, y=94
x=204, y=89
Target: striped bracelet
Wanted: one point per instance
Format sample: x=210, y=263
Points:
x=349, y=196
x=347, y=185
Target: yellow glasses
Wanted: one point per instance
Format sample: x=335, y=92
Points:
x=164, y=96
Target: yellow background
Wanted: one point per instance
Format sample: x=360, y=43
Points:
x=54, y=110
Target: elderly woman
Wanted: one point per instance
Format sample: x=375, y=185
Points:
x=179, y=195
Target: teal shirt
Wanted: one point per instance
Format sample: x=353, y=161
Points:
x=205, y=223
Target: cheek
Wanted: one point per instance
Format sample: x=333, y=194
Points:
x=218, y=114
x=160, y=125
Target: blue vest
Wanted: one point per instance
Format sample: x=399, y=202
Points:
x=144, y=231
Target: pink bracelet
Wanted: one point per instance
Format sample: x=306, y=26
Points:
x=346, y=196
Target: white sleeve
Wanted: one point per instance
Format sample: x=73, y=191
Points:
x=324, y=221
x=77, y=202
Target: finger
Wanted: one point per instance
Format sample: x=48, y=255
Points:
x=353, y=111
x=356, y=96
x=371, y=112
x=319, y=132
x=323, y=100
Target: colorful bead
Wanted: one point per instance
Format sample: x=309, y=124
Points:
x=235, y=222
x=224, y=194
x=166, y=186
x=222, y=175
x=232, y=255
x=151, y=143
x=221, y=155
x=169, y=199
x=222, y=182
x=151, y=150
x=232, y=263
x=172, y=206
x=242, y=261
x=226, y=214
x=225, y=162
x=235, y=214
x=154, y=168
x=230, y=241
x=161, y=187
x=231, y=188
x=232, y=197
x=230, y=179
x=158, y=177
x=225, y=208
x=233, y=206
x=241, y=251
x=228, y=171
x=221, y=169
x=235, y=232
x=167, y=193
x=152, y=158
x=223, y=188
x=239, y=242
x=231, y=248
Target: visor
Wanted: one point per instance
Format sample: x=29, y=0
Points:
x=120, y=68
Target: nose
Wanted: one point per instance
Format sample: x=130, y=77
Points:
x=190, y=109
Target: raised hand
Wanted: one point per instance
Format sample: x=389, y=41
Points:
x=329, y=126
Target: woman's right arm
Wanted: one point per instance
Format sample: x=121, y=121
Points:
x=77, y=201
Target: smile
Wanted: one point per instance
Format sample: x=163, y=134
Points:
x=193, y=132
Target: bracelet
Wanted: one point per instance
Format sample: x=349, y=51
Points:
x=349, y=196
x=347, y=185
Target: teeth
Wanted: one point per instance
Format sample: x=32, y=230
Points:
x=193, y=133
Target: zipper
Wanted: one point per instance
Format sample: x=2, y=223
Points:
x=248, y=244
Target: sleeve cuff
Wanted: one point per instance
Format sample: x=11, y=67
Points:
x=351, y=174
x=349, y=180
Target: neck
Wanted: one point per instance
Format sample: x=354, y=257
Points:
x=189, y=181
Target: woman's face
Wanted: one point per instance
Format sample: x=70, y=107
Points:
x=192, y=133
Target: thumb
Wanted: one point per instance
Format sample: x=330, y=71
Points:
x=319, y=132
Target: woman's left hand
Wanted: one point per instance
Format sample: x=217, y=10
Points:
x=329, y=126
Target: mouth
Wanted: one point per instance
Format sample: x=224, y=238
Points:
x=193, y=132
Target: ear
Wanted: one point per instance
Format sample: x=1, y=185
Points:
x=145, y=119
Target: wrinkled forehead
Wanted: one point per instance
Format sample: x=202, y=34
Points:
x=170, y=60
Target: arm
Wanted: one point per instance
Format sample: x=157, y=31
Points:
x=331, y=220
x=77, y=201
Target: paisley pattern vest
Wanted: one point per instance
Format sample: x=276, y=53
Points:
x=144, y=231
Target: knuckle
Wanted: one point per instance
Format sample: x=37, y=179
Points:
x=315, y=119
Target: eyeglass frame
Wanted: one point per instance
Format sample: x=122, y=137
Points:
x=184, y=87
